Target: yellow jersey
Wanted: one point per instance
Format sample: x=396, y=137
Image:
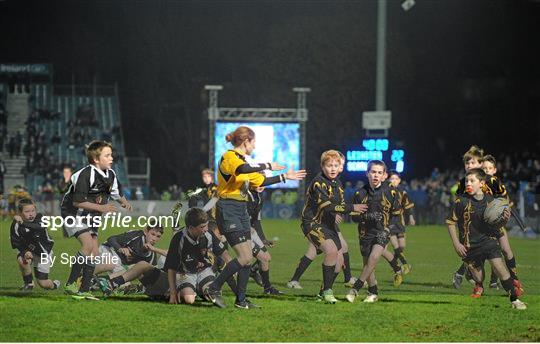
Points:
x=232, y=185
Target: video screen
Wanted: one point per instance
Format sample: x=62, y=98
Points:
x=278, y=142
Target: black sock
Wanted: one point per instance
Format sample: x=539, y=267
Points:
x=75, y=269
x=335, y=276
x=117, y=281
x=394, y=264
x=87, y=274
x=399, y=253
x=255, y=266
x=328, y=276
x=346, y=267
x=511, y=264
x=493, y=278
x=358, y=284
x=230, y=269
x=373, y=290
x=265, y=276
x=231, y=282
x=243, y=278
x=461, y=270
x=27, y=279
x=508, y=285
x=302, y=267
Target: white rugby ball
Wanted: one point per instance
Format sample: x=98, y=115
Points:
x=493, y=214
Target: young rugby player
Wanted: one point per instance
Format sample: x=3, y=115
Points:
x=259, y=249
x=235, y=177
x=34, y=246
x=323, y=202
x=382, y=202
x=397, y=229
x=88, y=196
x=135, y=250
x=474, y=158
x=474, y=243
x=191, y=254
x=495, y=187
x=312, y=251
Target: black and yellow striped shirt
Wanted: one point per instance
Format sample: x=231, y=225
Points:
x=232, y=185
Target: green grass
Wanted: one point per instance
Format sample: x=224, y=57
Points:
x=425, y=308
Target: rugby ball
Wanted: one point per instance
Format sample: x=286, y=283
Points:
x=493, y=215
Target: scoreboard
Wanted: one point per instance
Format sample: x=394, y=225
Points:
x=375, y=149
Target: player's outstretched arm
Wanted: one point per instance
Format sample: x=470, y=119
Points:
x=171, y=276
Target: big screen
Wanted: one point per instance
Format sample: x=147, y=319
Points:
x=278, y=142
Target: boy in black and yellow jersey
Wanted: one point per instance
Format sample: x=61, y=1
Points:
x=312, y=251
x=474, y=244
x=397, y=227
x=323, y=202
x=235, y=177
x=474, y=158
x=373, y=227
x=495, y=187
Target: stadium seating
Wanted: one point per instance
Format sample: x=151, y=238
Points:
x=107, y=114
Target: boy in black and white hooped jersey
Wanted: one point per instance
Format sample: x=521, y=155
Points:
x=34, y=246
x=87, y=198
x=190, y=259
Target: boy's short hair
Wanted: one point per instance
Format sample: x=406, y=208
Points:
x=478, y=172
x=473, y=153
x=196, y=217
x=330, y=155
x=24, y=202
x=207, y=171
x=393, y=173
x=155, y=228
x=94, y=148
x=371, y=163
x=489, y=158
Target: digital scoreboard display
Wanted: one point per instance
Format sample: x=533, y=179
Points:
x=375, y=149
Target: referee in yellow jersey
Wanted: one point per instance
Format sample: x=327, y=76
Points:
x=235, y=177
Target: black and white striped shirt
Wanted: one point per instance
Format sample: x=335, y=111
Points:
x=90, y=184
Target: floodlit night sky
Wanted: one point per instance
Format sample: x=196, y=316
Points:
x=458, y=72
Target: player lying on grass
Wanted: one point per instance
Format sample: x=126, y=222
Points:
x=323, y=202
x=473, y=243
x=88, y=194
x=135, y=255
x=382, y=202
x=312, y=251
x=34, y=246
x=191, y=255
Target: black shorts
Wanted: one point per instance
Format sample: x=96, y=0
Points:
x=370, y=238
x=499, y=233
x=256, y=249
x=478, y=254
x=317, y=233
x=232, y=216
x=398, y=230
x=235, y=238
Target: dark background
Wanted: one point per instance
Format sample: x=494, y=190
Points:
x=458, y=72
